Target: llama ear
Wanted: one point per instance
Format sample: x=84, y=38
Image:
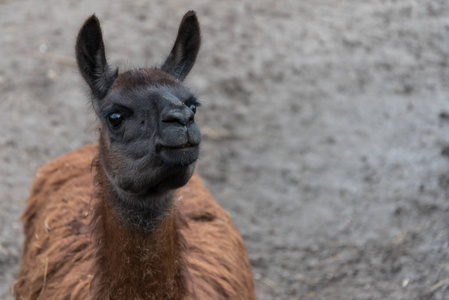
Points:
x=91, y=58
x=183, y=55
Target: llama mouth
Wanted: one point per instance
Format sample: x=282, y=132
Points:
x=180, y=155
x=186, y=145
x=160, y=147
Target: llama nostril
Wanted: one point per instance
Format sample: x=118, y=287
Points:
x=170, y=119
x=182, y=117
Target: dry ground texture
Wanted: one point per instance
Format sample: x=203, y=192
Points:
x=326, y=129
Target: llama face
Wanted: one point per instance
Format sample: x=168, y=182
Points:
x=149, y=136
x=149, y=140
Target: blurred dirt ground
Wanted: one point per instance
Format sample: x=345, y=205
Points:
x=326, y=130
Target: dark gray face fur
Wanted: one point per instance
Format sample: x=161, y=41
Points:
x=150, y=132
x=149, y=140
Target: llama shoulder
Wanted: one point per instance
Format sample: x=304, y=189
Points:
x=215, y=246
x=56, y=228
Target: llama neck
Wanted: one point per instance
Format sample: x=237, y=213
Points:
x=132, y=260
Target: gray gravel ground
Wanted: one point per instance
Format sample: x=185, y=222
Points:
x=326, y=129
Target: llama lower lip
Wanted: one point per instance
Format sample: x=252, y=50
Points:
x=184, y=155
x=183, y=146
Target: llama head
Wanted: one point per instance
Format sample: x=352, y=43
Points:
x=149, y=141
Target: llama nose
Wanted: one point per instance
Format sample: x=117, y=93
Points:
x=182, y=115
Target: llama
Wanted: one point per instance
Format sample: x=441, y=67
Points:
x=128, y=218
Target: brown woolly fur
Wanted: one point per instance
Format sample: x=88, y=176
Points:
x=128, y=219
x=60, y=249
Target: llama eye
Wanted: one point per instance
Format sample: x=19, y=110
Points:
x=193, y=108
x=115, y=119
